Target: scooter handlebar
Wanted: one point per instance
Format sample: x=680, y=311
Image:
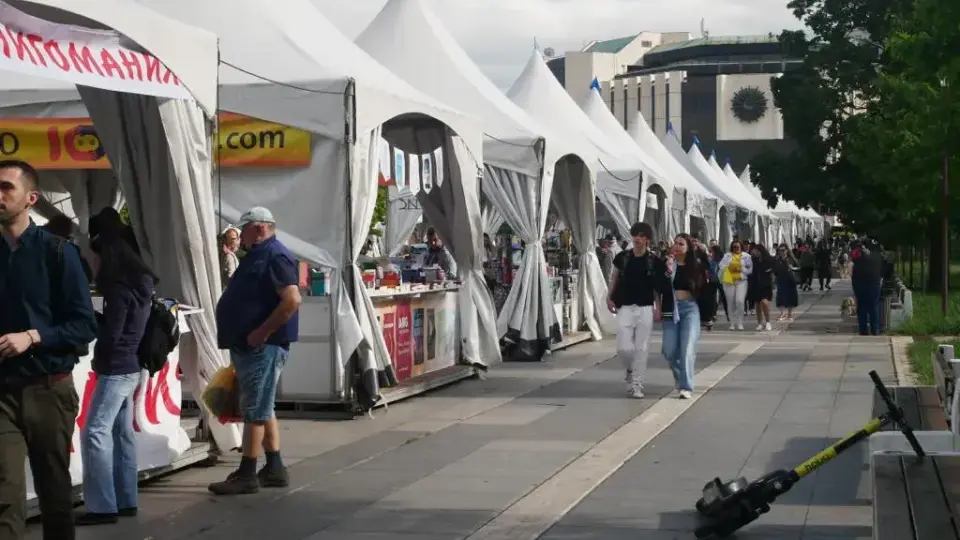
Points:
x=896, y=415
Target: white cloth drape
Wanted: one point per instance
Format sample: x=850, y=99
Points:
x=527, y=313
x=161, y=151
x=573, y=199
x=453, y=208
x=372, y=354
x=624, y=211
x=491, y=217
x=403, y=213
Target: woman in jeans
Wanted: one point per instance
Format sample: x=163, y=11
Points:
x=107, y=443
x=735, y=267
x=681, y=316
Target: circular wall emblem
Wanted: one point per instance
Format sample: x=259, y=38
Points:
x=749, y=104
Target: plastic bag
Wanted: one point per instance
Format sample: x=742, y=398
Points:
x=222, y=396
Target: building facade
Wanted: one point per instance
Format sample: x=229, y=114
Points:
x=713, y=89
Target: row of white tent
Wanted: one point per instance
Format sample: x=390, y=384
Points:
x=406, y=80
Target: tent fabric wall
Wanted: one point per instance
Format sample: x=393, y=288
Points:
x=527, y=314
x=161, y=150
x=453, y=207
x=574, y=203
x=623, y=210
x=492, y=219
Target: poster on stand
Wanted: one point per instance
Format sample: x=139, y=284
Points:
x=388, y=322
x=403, y=345
x=441, y=314
x=418, y=339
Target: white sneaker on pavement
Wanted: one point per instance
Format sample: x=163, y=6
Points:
x=686, y=394
x=636, y=392
x=769, y=327
x=760, y=327
x=740, y=326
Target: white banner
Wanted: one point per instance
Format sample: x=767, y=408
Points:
x=160, y=438
x=81, y=56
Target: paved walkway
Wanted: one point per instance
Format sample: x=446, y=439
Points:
x=554, y=451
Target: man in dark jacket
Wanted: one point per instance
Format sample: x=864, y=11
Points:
x=866, y=280
x=46, y=320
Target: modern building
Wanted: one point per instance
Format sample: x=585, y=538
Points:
x=714, y=89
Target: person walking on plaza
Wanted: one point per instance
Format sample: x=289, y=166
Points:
x=634, y=295
x=787, y=297
x=735, y=267
x=760, y=285
x=46, y=323
x=257, y=321
x=824, y=265
x=107, y=441
x=681, y=314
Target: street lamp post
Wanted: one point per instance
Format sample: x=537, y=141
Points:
x=945, y=221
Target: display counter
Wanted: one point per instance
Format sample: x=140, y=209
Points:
x=162, y=441
x=420, y=326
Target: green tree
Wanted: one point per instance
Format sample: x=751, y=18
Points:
x=908, y=128
x=380, y=210
x=843, y=54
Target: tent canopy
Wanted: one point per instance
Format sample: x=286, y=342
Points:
x=410, y=40
x=697, y=169
x=192, y=56
x=294, y=67
x=757, y=202
x=538, y=92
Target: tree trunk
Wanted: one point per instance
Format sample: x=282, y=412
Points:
x=935, y=264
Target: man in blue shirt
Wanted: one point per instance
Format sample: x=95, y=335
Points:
x=46, y=322
x=257, y=322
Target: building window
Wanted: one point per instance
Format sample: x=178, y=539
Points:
x=653, y=104
x=666, y=104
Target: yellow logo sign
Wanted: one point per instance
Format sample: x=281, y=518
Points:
x=72, y=143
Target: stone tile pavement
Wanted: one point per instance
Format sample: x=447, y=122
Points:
x=464, y=460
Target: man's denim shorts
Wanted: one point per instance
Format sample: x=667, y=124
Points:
x=258, y=372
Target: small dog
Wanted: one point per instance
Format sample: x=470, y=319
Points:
x=848, y=307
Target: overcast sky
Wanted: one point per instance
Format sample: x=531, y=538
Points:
x=499, y=34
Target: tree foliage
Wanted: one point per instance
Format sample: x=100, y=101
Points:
x=380, y=210
x=843, y=51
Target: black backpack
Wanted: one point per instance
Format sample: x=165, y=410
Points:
x=161, y=336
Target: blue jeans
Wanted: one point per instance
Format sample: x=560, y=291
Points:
x=258, y=372
x=868, y=308
x=108, y=446
x=680, y=343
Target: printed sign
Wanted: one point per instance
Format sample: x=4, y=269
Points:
x=81, y=56
x=403, y=356
x=72, y=143
x=418, y=366
x=399, y=168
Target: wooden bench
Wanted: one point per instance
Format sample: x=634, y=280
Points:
x=917, y=499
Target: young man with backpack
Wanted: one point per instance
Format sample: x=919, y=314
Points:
x=46, y=323
x=634, y=295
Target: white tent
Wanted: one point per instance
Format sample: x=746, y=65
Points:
x=624, y=173
x=539, y=93
x=520, y=157
x=293, y=67
x=785, y=214
x=716, y=219
x=737, y=216
x=766, y=221
x=159, y=147
x=758, y=216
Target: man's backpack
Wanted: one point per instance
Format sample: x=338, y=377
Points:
x=161, y=336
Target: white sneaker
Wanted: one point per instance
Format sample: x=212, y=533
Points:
x=733, y=327
x=686, y=394
x=769, y=327
x=760, y=327
x=740, y=326
x=636, y=392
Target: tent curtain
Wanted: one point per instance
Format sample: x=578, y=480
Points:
x=373, y=358
x=161, y=152
x=492, y=218
x=573, y=200
x=453, y=208
x=624, y=211
x=403, y=213
x=527, y=314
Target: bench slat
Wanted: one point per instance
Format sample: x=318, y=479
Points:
x=891, y=510
x=908, y=400
x=933, y=416
x=921, y=408
x=948, y=468
x=932, y=518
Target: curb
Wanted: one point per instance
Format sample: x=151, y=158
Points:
x=901, y=360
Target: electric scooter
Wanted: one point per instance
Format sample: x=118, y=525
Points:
x=728, y=506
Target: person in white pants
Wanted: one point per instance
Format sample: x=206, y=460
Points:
x=734, y=269
x=635, y=282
